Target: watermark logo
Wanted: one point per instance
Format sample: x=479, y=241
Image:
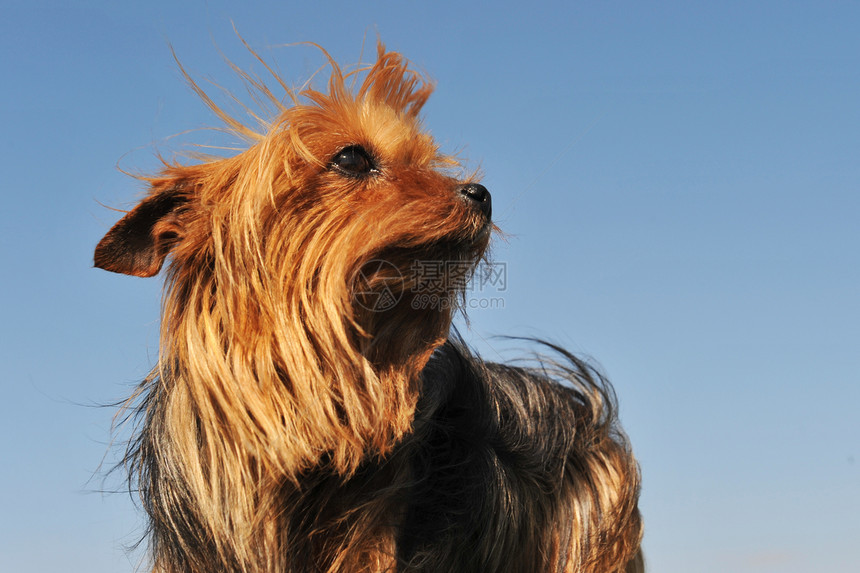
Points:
x=380, y=286
x=490, y=277
x=434, y=284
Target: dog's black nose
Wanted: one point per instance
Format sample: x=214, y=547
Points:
x=480, y=196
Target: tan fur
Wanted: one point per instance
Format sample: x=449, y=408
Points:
x=283, y=427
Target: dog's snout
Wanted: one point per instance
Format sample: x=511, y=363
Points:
x=478, y=194
x=475, y=192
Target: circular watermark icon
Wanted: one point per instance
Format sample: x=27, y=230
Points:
x=379, y=286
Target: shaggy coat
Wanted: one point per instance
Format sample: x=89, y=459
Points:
x=294, y=423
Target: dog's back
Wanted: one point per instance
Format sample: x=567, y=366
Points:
x=518, y=470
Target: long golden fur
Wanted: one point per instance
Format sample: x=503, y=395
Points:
x=293, y=426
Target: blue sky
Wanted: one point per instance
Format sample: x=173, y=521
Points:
x=679, y=185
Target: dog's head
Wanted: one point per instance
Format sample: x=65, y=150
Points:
x=331, y=253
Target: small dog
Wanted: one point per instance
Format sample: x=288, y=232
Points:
x=293, y=423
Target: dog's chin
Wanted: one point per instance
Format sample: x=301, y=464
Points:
x=467, y=245
x=417, y=288
x=481, y=240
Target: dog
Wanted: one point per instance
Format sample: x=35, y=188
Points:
x=293, y=423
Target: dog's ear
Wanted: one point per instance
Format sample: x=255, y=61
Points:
x=138, y=244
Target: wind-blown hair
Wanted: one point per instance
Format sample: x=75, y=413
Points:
x=291, y=426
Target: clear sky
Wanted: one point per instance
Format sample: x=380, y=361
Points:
x=680, y=186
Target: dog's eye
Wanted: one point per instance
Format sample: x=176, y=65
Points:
x=353, y=161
